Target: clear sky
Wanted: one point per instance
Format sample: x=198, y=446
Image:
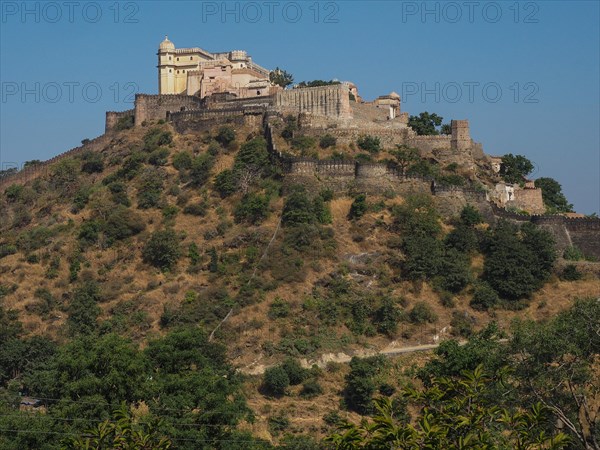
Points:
x=525, y=74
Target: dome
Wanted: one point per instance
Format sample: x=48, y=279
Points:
x=166, y=45
x=394, y=95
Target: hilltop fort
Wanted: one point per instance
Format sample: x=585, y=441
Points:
x=199, y=89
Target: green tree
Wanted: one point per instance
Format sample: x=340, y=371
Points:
x=452, y=414
x=276, y=380
x=162, y=250
x=358, y=208
x=281, y=77
x=225, y=136
x=425, y=123
x=252, y=209
x=405, y=156
x=371, y=144
x=84, y=310
x=360, y=384
x=552, y=194
x=515, y=168
x=200, y=169
x=327, y=141
x=226, y=183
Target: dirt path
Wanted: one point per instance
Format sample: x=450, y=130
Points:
x=255, y=368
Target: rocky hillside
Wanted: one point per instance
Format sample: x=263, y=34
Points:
x=160, y=230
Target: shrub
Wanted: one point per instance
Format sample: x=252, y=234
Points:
x=327, y=141
x=276, y=380
x=484, y=297
x=570, y=273
x=360, y=385
x=162, y=250
x=7, y=249
x=295, y=372
x=461, y=324
x=359, y=207
x=88, y=233
x=225, y=136
x=121, y=224
x=298, y=208
x=156, y=138
x=278, y=423
x=303, y=142
x=81, y=198
x=371, y=144
x=387, y=317
x=83, y=310
x=253, y=155
x=200, y=169
x=311, y=389
x=455, y=271
x=226, y=183
x=118, y=192
x=196, y=209
x=182, y=160
x=150, y=188
x=573, y=254
x=279, y=309
x=92, y=162
x=422, y=313
x=253, y=209
x=13, y=192
x=159, y=156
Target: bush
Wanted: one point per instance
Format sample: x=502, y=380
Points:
x=360, y=385
x=303, y=142
x=422, y=313
x=484, y=297
x=156, y=138
x=371, y=144
x=159, y=156
x=278, y=423
x=570, y=273
x=118, y=192
x=150, y=188
x=13, y=192
x=121, y=224
x=327, y=141
x=162, y=250
x=276, y=381
x=253, y=209
x=182, y=160
x=225, y=136
x=279, y=309
x=461, y=324
x=7, y=249
x=226, y=183
x=295, y=372
x=359, y=207
x=92, y=162
x=387, y=317
x=311, y=389
x=196, y=209
x=298, y=208
x=200, y=169
x=573, y=254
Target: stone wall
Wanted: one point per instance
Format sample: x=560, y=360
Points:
x=323, y=100
x=113, y=117
x=583, y=233
x=529, y=200
x=156, y=107
x=201, y=120
x=31, y=172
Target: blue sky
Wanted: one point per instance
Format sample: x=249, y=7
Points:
x=525, y=74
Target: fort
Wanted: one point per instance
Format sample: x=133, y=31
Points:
x=199, y=90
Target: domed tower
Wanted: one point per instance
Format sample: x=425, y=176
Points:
x=166, y=68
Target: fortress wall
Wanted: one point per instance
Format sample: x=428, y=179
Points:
x=113, y=117
x=156, y=107
x=528, y=200
x=201, y=120
x=323, y=100
x=430, y=143
x=232, y=103
x=389, y=138
x=43, y=168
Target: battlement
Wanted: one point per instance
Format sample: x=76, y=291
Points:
x=333, y=101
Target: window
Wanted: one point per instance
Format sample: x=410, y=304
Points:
x=257, y=92
x=191, y=58
x=177, y=59
x=170, y=71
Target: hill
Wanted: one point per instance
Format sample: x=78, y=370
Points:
x=152, y=229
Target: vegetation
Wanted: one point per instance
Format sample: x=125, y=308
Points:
x=515, y=168
x=281, y=77
x=554, y=199
x=425, y=124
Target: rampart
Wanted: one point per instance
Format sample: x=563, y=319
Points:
x=156, y=107
x=31, y=172
x=583, y=233
x=331, y=101
x=113, y=117
x=200, y=120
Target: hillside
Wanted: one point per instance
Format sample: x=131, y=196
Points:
x=160, y=230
